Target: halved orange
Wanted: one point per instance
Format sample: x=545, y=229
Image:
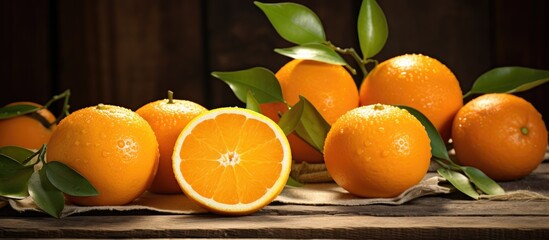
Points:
x=232, y=161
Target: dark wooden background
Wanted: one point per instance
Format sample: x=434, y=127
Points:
x=130, y=52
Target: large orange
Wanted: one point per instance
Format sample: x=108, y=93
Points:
x=27, y=130
x=377, y=151
x=330, y=88
x=501, y=134
x=418, y=81
x=167, y=118
x=232, y=161
x=113, y=147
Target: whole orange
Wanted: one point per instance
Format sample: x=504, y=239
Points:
x=501, y=134
x=30, y=130
x=330, y=88
x=418, y=81
x=113, y=147
x=377, y=151
x=167, y=118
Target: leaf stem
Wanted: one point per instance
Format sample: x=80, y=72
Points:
x=42, y=154
x=351, y=51
x=65, y=111
x=447, y=163
x=466, y=95
x=32, y=156
x=351, y=69
x=170, y=96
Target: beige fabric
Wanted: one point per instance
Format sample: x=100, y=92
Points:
x=332, y=194
x=309, y=194
x=320, y=190
x=165, y=203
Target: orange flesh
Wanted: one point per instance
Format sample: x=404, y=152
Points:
x=234, y=166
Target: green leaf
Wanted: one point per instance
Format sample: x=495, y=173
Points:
x=509, y=80
x=312, y=127
x=293, y=183
x=8, y=164
x=17, y=110
x=14, y=176
x=294, y=22
x=14, y=183
x=45, y=195
x=313, y=51
x=372, y=28
x=438, y=148
x=459, y=181
x=18, y=153
x=68, y=180
x=291, y=118
x=251, y=102
x=260, y=81
x=482, y=181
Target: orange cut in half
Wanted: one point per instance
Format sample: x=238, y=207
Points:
x=232, y=161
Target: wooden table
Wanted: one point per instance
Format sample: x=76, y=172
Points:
x=450, y=216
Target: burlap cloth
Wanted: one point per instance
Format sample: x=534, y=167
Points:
x=318, y=190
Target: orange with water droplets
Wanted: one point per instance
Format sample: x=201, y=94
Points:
x=167, y=118
x=501, y=134
x=377, y=151
x=113, y=147
x=418, y=81
x=330, y=88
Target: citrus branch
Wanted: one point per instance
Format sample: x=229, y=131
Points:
x=445, y=163
x=65, y=111
x=354, y=55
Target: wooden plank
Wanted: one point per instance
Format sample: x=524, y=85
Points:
x=24, y=49
x=426, y=206
x=130, y=52
x=455, y=32
x=315, y=226
x=521, y=34
x=432, y=217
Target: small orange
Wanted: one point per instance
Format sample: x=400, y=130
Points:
x=28, y=131
x=167, y=118
x=501, y=134
x=377, y=151
x=113, y=147
x=417, y=81
x=330, y=88
x=232, y=161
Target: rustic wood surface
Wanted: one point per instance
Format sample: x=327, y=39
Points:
x=450, y=216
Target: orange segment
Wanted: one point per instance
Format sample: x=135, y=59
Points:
x=232, y=160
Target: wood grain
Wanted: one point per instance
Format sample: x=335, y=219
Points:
x=131, y=52
x=309, y=226
x=435, y=217
x=25, y=56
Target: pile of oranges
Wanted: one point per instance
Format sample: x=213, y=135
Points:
x=235, y=161
x=229, y=160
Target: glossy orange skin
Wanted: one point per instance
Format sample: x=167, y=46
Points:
x=25, y=131
x=418, y=81
x=501, y=134
x=113, y=147
x=377, y=151
x=167, y=120
x=330, y=88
